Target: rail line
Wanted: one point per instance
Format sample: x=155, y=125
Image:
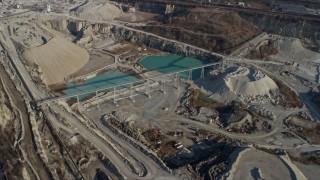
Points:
x=226, y=7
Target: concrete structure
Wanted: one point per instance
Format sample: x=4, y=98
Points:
x=19, y=6
x=48, y=8
x=146, y=82
x=169, y=9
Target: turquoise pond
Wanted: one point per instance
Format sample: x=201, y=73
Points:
x=164, y=64
x=109, y=78
x=171, y=63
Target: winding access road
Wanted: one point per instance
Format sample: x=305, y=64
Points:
x=154, y=171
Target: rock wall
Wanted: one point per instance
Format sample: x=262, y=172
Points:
x=59, y=25
x=66, y=26
x=286, y=26
x=163, y=44
x=119, y=33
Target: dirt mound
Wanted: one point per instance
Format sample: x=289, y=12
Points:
x=263, y=51
x=96, y=11
x=57, y=59
x=215, y=30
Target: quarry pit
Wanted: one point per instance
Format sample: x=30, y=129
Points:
x=158, y=91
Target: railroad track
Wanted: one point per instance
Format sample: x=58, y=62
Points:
x=225, y=7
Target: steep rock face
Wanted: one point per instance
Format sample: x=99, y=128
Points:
x=131, y=35
x=211, y=29
x=66, y=26
x=57, y=24
x=101, y=28
x=152, y=41
x=286, y=26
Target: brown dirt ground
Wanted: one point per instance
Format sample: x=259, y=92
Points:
x=197, y=102
x=264, y=51
x=306, y=158
x=121, y=48
x=291, y=100
x=136, y=17
x=258, y=5
x=313, y=134
x=304, y=128
x=166, y=151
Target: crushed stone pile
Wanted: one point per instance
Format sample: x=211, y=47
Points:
x=98, y=11
x=249, y=82
x=235, y=81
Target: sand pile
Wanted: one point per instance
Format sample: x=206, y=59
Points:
x=293, y=49
x=98, y=11
x=249, y=82
x=57, y=59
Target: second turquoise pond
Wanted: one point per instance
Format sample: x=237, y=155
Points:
x=108, y=79
x=171, y=63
